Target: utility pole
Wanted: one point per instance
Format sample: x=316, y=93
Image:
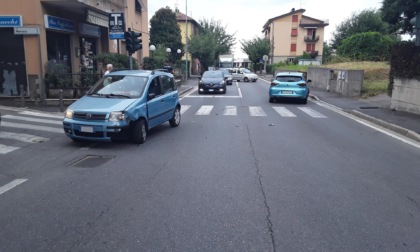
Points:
x=186, y=41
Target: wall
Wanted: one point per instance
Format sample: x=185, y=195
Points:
x=345, y=82
x=405, y=95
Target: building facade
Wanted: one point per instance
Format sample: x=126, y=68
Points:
x=40, y=35
x=293, y=34
x=188, y=26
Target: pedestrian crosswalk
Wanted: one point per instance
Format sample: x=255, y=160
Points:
x=26, y=127
x=253, y=111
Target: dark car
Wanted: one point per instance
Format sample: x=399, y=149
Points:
x=228, y=75
x=212, y=81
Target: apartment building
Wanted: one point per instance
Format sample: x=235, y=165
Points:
x=292, y=34
x=188, y=27
x=39, y=34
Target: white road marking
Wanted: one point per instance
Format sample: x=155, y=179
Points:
x=284, y=112
x=312, y=112
x=23, y=137
x=205, y=110
x=4, y=149
x=31, y=119
x=31, y=113
x=230, y=110
x=31, y=127
x=12, y=184
x=184, y=108
x=256, y=111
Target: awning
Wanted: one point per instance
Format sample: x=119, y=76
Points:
x=97, y=18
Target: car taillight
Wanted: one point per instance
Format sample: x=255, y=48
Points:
x=302, y=84
x=273, y=84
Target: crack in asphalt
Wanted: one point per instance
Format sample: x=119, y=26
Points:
x=259, y=176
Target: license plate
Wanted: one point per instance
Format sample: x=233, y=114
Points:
x=86, y=129
x=287, y=92
x=211, y=90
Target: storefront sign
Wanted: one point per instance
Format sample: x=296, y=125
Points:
x=116, y=26
x=26, y=31
x=57, y=23
x=11, y=21
x=96, y=18
x=90, y=30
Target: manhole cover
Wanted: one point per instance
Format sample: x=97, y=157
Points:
x=91, y=161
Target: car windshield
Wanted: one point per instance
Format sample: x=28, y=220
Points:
x=119, y=86
x=287, y=78
x=213, y=74
x=244, y=70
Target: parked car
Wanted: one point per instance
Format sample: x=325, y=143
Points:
x=212, y=81
x=227, y=74
x=289, y=85
x=130, y=102
x=243, y=74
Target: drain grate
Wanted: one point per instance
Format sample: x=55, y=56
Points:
x=91, y=161
x=369, y=107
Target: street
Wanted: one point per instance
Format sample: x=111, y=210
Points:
x=238, y=174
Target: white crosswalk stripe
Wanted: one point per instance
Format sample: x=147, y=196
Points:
x=205, y=110
x=256, y=111
x=312, y=112
x=31, y=119
x=27, y=138
x=184, y=108
x=4, y=149
x=284, y=112
x=230, y=110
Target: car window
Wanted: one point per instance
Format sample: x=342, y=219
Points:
x=129, y=86
x=212, y=74
x=246, y=70
x=286, y=78
x=154, y=87
x=167, y=84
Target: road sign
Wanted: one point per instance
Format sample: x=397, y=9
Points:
x=116, y=26
x=265, y=57
x=26, y=31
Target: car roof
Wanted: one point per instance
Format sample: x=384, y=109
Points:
x=144, y=73
x=291, y=74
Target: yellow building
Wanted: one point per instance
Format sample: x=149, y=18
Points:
x=188, y=26
x=37, y=35
x=292, y=34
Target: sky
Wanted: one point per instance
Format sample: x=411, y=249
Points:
x=246, y=18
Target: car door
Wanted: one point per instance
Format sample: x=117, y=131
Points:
x=169, y=96
x=155, y=102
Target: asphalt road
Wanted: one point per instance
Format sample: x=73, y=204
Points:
x=238, y=174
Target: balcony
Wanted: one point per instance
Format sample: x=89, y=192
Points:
x=311, y=38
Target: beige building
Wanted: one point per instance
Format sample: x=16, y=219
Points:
x=292, y=34
x=188, y=26
x=38, y=35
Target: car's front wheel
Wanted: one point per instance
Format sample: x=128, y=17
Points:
x=246, y=79
x=139, y=131
x=176, y=119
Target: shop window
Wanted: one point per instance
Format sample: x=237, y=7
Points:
x=295, y=18
x=294, y=32
x=293, y=47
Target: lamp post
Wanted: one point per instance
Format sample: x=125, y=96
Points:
x=152, y=48
x=179, y=60
x=186, y=40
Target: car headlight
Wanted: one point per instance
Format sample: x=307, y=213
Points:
x=201, y=82
x=222, y=82
x=69, y=114
x=116, y=117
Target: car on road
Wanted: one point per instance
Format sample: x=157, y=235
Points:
x=289, y=85
x=243, y=74
x=212, y=81
x=226, y=72
x=129, y=102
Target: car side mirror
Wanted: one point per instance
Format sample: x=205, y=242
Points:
x=199, y=77
x=225, y=78
x=150, y=96
x=309, y=81
x=272, y=80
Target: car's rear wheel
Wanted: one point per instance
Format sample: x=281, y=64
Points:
x=176, y=119
x=139, y=131
x=246, y=79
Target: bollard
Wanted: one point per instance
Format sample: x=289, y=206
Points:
x=60, y=96
x=22, y=96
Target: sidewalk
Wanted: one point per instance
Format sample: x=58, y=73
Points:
x=374, y=109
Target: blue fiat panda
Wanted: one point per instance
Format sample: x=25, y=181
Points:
x=129, y=102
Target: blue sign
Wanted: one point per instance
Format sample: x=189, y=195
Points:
x=116, y=26
x=57, y=23
x=116, y=35
x=11, y=21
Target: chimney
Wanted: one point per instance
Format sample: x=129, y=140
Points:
x=293, y=9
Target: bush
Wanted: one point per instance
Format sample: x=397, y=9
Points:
x=119, y=61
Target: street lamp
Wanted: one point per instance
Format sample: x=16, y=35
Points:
x=152, y=48
x=179, y=60
x=168, y=50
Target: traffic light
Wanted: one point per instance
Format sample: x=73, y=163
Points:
x=133, y=41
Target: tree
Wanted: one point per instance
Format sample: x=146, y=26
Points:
x=366, y=21
x=225, y=41
x=256, y=48
x=398, y=14
x=202, y=46
x=164, y=30
x=368, y=46
x=327, y=52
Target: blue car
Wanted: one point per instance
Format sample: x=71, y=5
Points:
x=291, y=85
x=124, y=102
